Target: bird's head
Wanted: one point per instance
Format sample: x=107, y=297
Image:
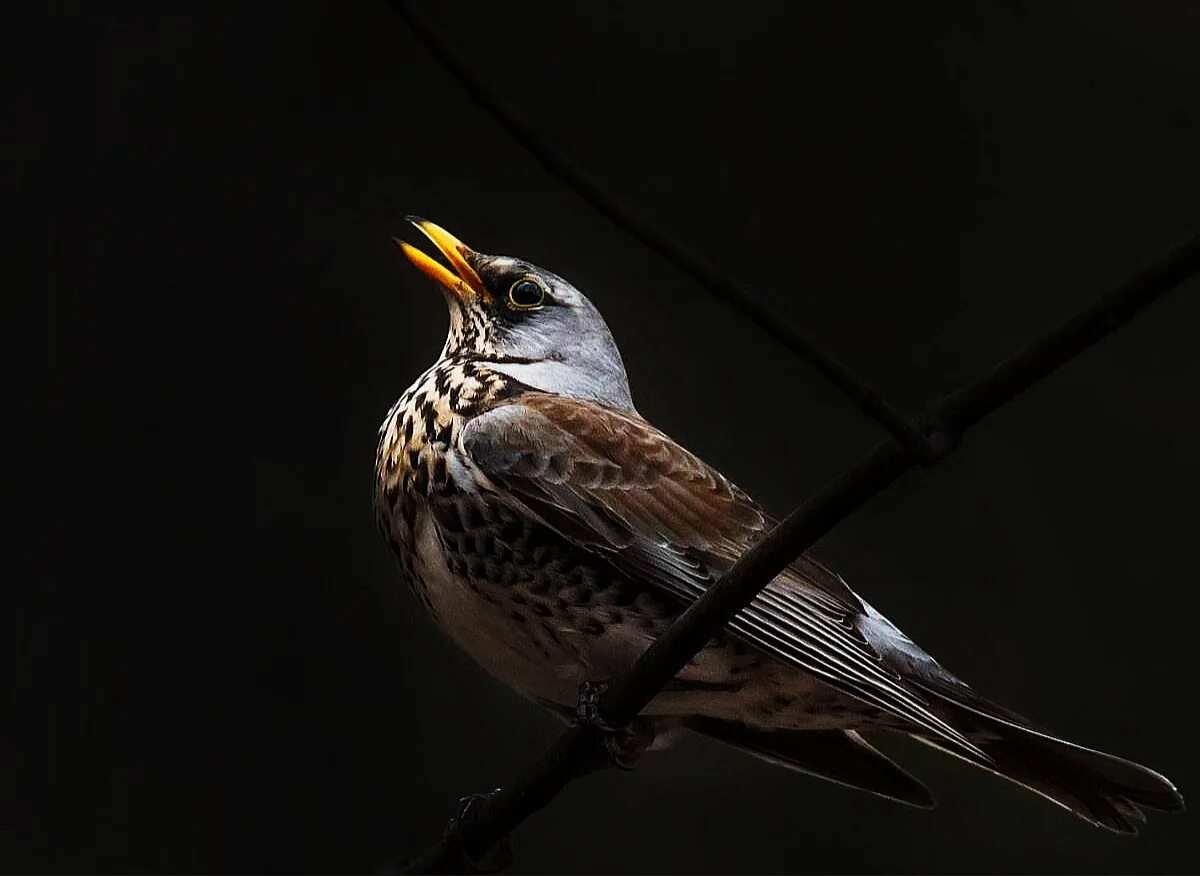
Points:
x=523, y=321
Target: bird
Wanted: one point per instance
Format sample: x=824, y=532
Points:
x=553, y=533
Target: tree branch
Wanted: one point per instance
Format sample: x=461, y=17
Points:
x=670, y=652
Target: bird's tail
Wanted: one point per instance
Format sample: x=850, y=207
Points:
x=1107, y=791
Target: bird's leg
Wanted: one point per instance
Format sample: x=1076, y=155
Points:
x=470, y=808
x=623, y=744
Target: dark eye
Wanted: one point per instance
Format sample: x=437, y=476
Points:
x=526, y=294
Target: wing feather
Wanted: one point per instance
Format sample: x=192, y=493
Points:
x=617, y=486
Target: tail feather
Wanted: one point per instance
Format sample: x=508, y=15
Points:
x=1105, y=790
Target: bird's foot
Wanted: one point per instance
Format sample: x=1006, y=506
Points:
x=587, y=707
x=470, y=808
x=623, y=744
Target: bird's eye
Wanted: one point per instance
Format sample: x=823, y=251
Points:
x=526, y=294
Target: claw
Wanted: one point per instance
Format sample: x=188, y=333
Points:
x=587, y=708
x=471, y=807
x=623, y=744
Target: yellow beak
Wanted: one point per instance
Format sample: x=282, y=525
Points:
x=467, y=283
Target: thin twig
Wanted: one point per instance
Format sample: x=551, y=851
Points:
x=670, y=652
x=905, y=430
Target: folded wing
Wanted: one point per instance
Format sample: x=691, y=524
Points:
x=617, y=486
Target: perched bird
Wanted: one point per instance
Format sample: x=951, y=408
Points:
x=553, y=533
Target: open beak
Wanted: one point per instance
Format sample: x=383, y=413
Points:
x=463, y=282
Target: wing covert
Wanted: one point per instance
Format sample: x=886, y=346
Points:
x=614, y=484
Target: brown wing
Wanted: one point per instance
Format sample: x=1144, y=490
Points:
x=614, y=484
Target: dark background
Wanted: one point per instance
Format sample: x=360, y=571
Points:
x=219, y=668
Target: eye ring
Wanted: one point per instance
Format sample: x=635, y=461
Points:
x=528, y=293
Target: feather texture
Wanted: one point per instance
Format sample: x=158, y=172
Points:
x=615, y=484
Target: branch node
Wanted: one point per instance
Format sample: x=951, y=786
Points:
x=940, y=438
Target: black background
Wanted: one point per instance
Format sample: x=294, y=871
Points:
x=219, y=666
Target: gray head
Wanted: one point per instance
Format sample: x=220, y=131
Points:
x=523, y=321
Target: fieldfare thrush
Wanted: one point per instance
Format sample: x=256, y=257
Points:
x=553, y=533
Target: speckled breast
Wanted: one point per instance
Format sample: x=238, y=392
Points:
x=416, y=441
